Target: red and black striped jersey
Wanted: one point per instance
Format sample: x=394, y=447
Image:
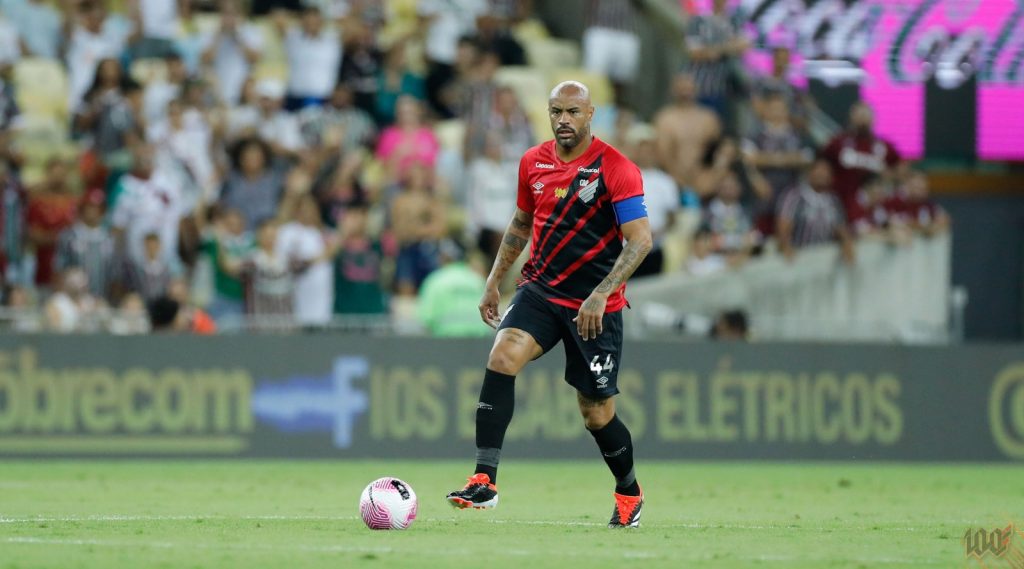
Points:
x=576, y=236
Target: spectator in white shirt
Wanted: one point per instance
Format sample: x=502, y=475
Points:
x=491, y=194
x=230, y=51
x=268, y=121
x=182, y=139
x=156, y=26
x=38, y=25
x=148, y=201
x=10, y=44
x=446, y=21
x=94, y=38
x=314, y=55
x=162, y=90
x=277, y=127
x=661, y=194
x=303, y=240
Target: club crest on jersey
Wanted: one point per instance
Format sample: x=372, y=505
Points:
x=561, y=192
x=588, y=192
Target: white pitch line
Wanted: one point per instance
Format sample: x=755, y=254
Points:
x=312, y=518
x=174, y=518
x=414, y=551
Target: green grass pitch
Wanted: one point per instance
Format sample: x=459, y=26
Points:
x=255, y=514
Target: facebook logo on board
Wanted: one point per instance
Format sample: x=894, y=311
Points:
x=309, y=404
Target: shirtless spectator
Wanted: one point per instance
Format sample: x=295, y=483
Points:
x=418, y=222
x=857, y=155
x=684, y=129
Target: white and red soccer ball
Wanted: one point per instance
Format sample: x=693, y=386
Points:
x=388, y=503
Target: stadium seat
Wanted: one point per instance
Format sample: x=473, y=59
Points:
x=42, y=87
x=204, y=23
x=147, y=70
x=451, y=134
x=40, y=137
x=552, y=53
x=529, y=31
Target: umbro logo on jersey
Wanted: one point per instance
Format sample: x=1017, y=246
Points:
x=544, y=166
x=590, y=170
x=538, y=187
x=587, y=192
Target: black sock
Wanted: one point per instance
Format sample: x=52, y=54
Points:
x=617, y=448
x=493, y=414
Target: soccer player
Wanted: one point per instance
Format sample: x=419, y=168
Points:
x=581, y=203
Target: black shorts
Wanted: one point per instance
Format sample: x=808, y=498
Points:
x=592, y=367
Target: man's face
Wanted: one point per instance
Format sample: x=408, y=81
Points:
x=684, y=89
x=152, y=248
x=92, y=18
x=341, y=97
x=570, y=113
x=92, y=214
x=312, y=21
x=820, y=176
x=862, y=119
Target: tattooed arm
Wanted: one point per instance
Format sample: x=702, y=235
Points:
x=517, y=235
x=638, y=244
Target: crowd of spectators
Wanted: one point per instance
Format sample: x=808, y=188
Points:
x=208, y=186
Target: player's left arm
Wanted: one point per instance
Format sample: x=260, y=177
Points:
x=639, y=242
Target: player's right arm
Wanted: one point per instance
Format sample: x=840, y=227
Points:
x=517, y=235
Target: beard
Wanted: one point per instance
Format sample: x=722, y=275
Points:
x=570, y=142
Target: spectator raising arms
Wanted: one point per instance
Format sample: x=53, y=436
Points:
x=230, y=51
x=314, y=58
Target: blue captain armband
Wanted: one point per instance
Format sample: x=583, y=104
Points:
x=629, y=209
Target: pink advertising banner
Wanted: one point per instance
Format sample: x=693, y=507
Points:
x=898, y=45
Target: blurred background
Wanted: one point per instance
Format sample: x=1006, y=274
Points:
x=815, y=170
x=235, y=228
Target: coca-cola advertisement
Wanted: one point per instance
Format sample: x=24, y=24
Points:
x=894, y=49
